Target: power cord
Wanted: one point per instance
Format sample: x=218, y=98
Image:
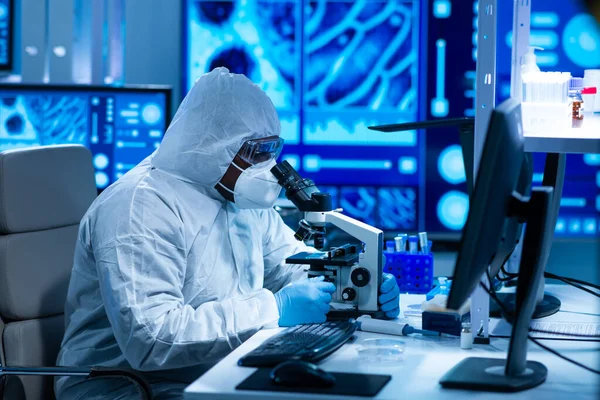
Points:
x=557, y=354
x=509, y=275
x=570, y=281
x=575, y=335
x=507, y=315
x=579, y=284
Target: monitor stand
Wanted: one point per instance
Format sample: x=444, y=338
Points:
x=548, y=306
x=515, y=373
x=554, y=177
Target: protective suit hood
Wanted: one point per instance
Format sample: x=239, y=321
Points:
x=217, y=116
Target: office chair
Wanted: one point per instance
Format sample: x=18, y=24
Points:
x=44, y=193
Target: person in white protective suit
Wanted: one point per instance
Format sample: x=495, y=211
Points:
x=183, y=258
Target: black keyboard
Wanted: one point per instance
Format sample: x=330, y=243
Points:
x=310, y=343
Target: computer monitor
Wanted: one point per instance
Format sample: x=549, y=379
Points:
x=121, y=126
x=6, y=34
x=495, y=201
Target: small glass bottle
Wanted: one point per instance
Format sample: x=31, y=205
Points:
x=466, y=336
x=575, y=88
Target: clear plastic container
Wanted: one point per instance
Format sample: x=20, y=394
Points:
x=589, y=98
x=390, y=351
x=591, y=78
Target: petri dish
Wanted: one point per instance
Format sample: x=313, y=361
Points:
x=381, y=350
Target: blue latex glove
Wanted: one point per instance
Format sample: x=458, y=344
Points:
x=389, y=296
x=304, y=302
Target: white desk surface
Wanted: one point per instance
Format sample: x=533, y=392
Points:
x=427, y=359
x=585, y=139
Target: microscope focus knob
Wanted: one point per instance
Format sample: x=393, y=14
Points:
x=360, y=277
x=348, y=294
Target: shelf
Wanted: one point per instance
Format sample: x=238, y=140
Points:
x=585, y=139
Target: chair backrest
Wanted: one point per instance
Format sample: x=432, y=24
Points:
x=44, y=193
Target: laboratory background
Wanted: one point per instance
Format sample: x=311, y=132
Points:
x=111, y=74
x=391, y=62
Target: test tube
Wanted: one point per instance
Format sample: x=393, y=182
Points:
x=389, y=246
x=423, y=242
x=403, y=241
x=400, y=244
x=430, y=245
x=413, y=244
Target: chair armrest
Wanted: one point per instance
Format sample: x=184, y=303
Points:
x=89, y=373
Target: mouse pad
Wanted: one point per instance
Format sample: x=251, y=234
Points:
x=345, y=384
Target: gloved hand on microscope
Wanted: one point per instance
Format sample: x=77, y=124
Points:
x=389, y=296
x=307, y=301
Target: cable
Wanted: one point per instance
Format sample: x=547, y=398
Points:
x=578, y=286
x=584, y=283
x=509, y=275
x=505, y=278
x=569, y=281
x=506, y=314
x=557, y=354
x=580, y=335
x=574, y=339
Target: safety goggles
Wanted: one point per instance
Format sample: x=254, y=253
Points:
x=256, y=151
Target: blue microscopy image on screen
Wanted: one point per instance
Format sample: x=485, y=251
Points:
x=359, y=203
x=350, y=128
x=397, y=208
x=254, y=38
x=120, y=127
x=42, y=120
x=360, y=69
x=360, y=54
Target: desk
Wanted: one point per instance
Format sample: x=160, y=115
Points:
x=427, y=359
x=585, y=140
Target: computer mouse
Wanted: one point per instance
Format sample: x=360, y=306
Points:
x=299, y=373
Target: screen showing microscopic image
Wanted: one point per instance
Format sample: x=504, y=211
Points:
x=121, y=127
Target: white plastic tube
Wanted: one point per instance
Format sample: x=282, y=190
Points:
x=369, y=324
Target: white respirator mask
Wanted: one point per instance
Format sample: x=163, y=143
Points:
x=256, y=187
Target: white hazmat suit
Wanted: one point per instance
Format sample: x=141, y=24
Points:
x=168, y=276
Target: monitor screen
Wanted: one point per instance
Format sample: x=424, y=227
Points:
x=121, y=126
x=570, y=39
x=6, y=34
x=332, y=68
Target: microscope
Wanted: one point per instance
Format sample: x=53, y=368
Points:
x=356, y=271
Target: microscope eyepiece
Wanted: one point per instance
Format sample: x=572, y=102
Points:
x=302, y=192
x=285, y=173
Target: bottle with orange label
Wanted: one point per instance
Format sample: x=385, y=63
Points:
x=575, y=88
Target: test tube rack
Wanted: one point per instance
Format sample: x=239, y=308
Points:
x=413, y=271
